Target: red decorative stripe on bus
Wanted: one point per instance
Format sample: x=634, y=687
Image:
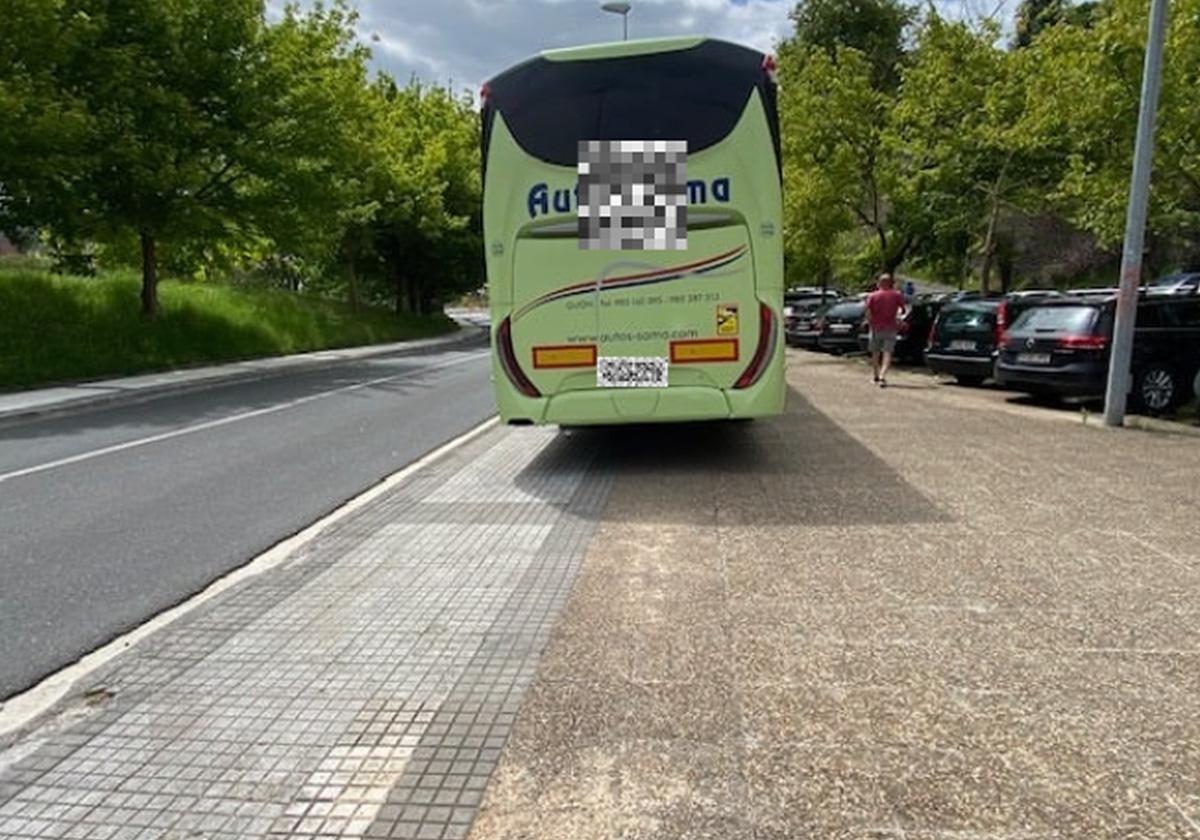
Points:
x=640, y=279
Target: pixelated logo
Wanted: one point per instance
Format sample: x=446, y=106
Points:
x=633, y=195
x=727, y=319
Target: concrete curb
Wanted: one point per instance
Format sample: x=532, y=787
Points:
x=22, y=405
x=1153, y=424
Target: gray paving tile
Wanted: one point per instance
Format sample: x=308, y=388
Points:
x=363, y=688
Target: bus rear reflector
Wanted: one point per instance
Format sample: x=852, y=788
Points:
x=565, y=356
x=763, y=352
x=704, y=350
x=508, y=361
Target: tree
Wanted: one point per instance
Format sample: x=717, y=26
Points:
x=1035, y=16
x=875, y=28
x=959, y=120
x=192, y=122
x=840, y=155
x=427, y=227
x=1087, y=86
x=43, y=131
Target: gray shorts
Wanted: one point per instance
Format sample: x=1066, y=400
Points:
x=882, y=341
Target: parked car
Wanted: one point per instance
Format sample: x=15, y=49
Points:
x=1024, y=294
x=1186, y=283
x=799, y=321
x=963, y=340
x=837, y=326
x=803, y=292
x=914, y=328
x=1014, y=303
x=1062, y=348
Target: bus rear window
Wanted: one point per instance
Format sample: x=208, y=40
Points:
x=696, y=95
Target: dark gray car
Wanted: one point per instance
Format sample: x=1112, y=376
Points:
x=963, y=341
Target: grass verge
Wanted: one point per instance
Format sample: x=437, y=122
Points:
x=56, y=329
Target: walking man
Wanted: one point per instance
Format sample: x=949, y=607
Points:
x=885, y=305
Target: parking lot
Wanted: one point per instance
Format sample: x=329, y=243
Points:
x=1041, y=345
x=993, y=397
x=888, y=613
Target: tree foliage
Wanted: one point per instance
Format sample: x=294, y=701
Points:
x=1090, y=80
x=199, y=135
x=1035, y=16
x=973, y=131
x=874, y=28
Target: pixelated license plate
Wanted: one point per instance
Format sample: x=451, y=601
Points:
x=631, y=372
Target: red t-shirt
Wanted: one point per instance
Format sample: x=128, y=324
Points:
x=882, y=307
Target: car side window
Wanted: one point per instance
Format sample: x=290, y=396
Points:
x=1150, y=316
x=1184, y=313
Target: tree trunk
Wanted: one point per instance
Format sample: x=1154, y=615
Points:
x=405, y=297
x=412, y=293
x=149, y=276
x=1006, y=275
x=352, y=277
x=989, y=246
x=892, y=261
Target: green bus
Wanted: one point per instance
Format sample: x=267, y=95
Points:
x=586, y=336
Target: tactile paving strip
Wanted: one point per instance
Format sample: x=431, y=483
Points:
x=364, y=689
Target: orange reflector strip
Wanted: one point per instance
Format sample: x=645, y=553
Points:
x=704, y=350
x=565, y=356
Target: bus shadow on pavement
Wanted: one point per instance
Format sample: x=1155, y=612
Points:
x=800, y=468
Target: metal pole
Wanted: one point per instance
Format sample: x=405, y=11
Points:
x=1135, y=221
x=625, y=27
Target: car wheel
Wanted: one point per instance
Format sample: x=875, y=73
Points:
x=1156, y=389
x=970, y=381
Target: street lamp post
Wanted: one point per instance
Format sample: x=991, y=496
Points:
x=621, y=9
x=1135, y=221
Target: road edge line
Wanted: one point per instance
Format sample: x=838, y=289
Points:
x=100, y=400
x=20, y=710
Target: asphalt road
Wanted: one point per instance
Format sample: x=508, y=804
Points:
x=110, y=516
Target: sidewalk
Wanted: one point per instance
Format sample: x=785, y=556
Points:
x=884, y=615
x=30, y=403
x=364, y=688
x=880, y=617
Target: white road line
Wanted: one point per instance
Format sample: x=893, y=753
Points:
x=224, y=421
x=22, y=708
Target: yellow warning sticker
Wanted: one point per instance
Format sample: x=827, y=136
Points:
x=727, y=319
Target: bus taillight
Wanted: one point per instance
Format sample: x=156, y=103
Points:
x=763, y=352
x=508, y=361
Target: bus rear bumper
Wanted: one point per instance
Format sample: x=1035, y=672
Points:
x=676, y=404
x=649, y=405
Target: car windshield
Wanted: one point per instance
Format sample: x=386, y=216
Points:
x=963, y=320
x=1065, y=319
x=1173, y=279
x=845, y=310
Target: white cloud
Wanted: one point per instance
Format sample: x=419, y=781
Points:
x=466, y=42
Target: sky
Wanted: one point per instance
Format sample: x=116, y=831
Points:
x=466, y=42
x=463, y=43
